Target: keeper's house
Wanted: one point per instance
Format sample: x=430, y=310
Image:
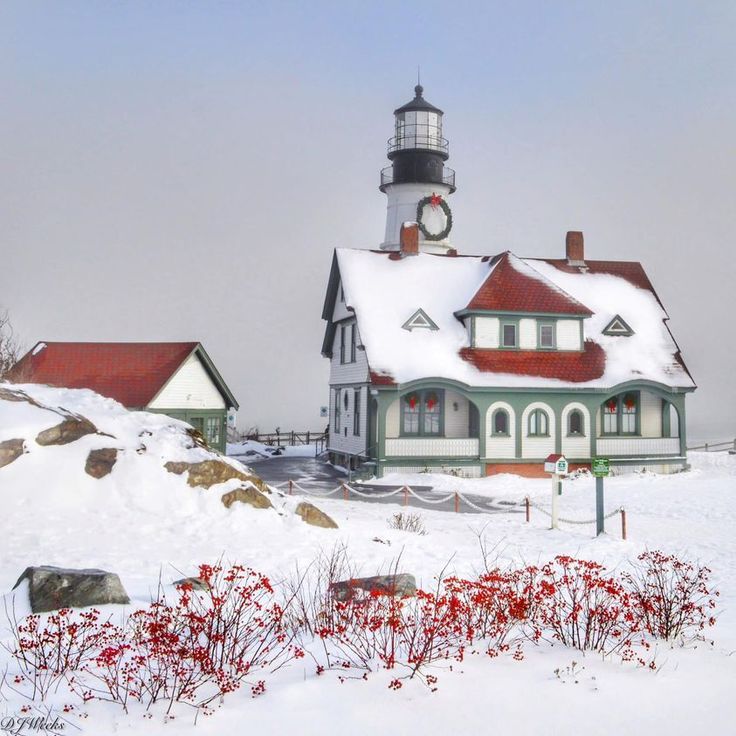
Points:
x=488, y=364
x=174, y=378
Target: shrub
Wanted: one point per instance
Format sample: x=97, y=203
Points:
x=672, y=598
x=408, y=523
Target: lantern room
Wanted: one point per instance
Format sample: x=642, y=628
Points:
x=418, y=125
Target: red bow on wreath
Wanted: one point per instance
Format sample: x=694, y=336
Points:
x=611, y=405
x=431, y=401
x=629, y=402
x=435, y=201
x=412, y=401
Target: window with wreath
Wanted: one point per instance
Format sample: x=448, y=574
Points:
x=575, y=425
x=421, y=413
x=500, y=423
x=620, y=414
x=538, y=423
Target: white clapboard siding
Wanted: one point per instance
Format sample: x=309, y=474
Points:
x=537, y=447
x=341, y=310
x=431, y=447
x=637, y=446
x=500, y=447
x=456, y=420
x=462, y=471
x=486, y=332
x=577, y=446
x=341, y=373
x=528, y=334
x=189, y=388
x=349, y=443
x=651, y=413
x=568, y=334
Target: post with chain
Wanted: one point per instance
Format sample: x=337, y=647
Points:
x=406, y=496
x=457, y=502
x=623, y=523
x=344, y=492
x=291, y=487
x=527, y=509
x=600, y=524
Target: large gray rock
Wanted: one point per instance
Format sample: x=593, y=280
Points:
x=402, y=584
x=312, y=515
x=51, y=588
x=10, y=450
x=70, y=430
x=100, y=462
x=247, y=494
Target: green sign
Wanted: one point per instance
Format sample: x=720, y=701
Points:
x=562, y=466
x=601, y=467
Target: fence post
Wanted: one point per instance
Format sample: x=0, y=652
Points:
x=457, y=502
x=344, y=492
x=406, y=496
x=706, y=447
x=291, y=484
x=528, y=510
x=307, y=436
x=623, y=523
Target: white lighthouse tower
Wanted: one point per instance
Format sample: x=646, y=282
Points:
x=418, y=183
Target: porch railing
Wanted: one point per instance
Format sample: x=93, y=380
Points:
x=433, y=447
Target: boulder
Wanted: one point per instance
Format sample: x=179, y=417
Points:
x=51, y=588
x=208, y=473
x=70, y=430
x=401, y=584
x=10, y=450
x=100, y=462
x=312, y=515
x=194, y=583
x=247, y=494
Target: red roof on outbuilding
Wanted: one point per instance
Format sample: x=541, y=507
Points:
x=129, y=372
x=509, y=289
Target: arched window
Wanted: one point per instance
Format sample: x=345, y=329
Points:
x=575, y=425
x=422, y=413
x=538, y=423
x=500, y=423
x=620, y=414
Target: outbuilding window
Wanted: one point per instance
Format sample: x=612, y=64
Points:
x=546, y=335
x=508, y=335
x=538, y=423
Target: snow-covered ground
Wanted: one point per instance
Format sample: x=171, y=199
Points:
x=143, y=523
x=251, y=451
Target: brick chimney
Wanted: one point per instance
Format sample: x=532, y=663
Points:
x=574, y=248
x=409, y=239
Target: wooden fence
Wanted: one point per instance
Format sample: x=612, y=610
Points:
x=291, y=438
x=729, y=445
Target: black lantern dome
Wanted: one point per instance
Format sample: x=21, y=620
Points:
x=417, y=150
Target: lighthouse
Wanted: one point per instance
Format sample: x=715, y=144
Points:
x=417, y=183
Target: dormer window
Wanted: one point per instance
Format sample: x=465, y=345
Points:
x=546, y=335
x=618, y=327
x=509, y=335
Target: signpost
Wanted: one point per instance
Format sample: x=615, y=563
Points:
x=601, y=467
x=556, y=465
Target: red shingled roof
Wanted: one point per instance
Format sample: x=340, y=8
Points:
x=509, y=289
x=565, y=366
x=129, y=372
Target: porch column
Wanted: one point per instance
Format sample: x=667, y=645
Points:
x=383, y=401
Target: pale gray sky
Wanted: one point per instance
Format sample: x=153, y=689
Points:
x=183, y=170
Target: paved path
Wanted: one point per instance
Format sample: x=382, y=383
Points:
x=315, y=475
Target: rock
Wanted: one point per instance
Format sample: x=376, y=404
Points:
x=312, y=515
x=211, y=472
x=247, y=494
x=51, y=588
x=70, y=430
x=195, y=583
x=10, y=450
x=100, y=462
x=402, y=584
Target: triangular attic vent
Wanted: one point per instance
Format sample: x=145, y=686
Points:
x=617, y=326
x=419, y=320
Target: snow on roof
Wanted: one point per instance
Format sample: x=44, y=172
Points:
x=385, y=291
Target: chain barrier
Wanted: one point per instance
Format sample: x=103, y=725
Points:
x=571, y=521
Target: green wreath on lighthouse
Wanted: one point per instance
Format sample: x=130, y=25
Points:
x=434, y=201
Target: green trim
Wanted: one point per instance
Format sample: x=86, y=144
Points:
x=582, y=424
x=494, y=433
x=507, y=322
x=421, y=414
x=521, y=315
x=537, y=413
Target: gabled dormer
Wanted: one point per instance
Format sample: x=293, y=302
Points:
x=516, y=308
